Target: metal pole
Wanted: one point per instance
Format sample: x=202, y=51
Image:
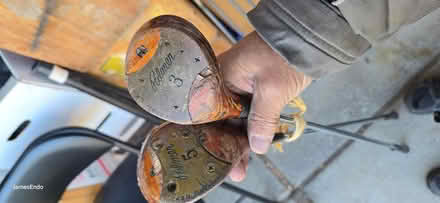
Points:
x=390, y=116
x=349, y=135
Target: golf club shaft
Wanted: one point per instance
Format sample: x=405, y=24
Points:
x=346, y=134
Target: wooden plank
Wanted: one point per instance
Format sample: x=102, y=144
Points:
x=81, y=195
x=85, y=34
x=77, y=33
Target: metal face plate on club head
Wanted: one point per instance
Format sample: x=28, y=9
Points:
x=183, y=163
x=164, y=58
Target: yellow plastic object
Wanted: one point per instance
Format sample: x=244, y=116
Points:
x=300, y=123
x=114, y=65
x=279, y=146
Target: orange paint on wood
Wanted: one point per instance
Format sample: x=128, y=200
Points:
x=150, y=185
x=147, y=39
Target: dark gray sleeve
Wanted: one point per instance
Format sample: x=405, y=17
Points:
x=316, y=39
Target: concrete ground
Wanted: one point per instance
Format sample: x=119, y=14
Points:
x=361, y=172
x=372, y=174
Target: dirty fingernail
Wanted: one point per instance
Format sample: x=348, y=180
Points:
x=260, y=144
x=237, y=174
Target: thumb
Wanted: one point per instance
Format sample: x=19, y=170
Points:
x=264, y=117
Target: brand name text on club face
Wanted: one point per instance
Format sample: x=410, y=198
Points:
x=157, y=74
x=176, y=164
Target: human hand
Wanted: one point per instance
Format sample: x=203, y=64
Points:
x=252, y=67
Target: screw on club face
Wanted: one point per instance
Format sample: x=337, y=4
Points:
x=157, y=145
x=141, y=51
x=211, y=168
x=172, y=187
x=202, y=138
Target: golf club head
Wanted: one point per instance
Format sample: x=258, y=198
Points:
x=182, y=163
x=172, y=72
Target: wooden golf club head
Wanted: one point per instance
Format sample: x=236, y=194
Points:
x=182, y=163
x=172, y=72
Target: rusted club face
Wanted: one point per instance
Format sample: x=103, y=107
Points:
x=182, y=163
x=172, y=72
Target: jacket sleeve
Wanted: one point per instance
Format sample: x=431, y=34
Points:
x=377, y=20
x=317, y=38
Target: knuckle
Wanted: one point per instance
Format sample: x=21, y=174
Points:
x=258, y=120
